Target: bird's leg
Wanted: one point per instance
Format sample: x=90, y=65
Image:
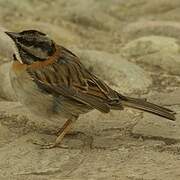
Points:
x=64, y=130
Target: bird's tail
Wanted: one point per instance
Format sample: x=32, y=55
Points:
x=142, y=104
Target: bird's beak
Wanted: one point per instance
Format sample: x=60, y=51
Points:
x=13, y=35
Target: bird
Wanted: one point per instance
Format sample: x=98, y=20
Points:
x=51, y=81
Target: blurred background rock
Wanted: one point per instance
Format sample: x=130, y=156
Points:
x=133, y=45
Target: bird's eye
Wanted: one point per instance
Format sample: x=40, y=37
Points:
x=14, y=57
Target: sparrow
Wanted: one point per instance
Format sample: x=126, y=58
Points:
x=50, y=81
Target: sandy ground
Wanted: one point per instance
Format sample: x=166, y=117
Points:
x=134, y=46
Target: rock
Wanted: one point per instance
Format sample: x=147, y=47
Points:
x=155, y=51
x=7, y=46
x=158, y=127
x=6, y=136
x=150, y=45
x=166, y=99
x=103, y=146
x=129, y=11
x=117, y=71
x=152, y=126
x=6, y=90
x=23, y=158
x=143, y=28
x=19, y=120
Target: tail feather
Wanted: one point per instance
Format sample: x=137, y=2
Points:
x=149, y=107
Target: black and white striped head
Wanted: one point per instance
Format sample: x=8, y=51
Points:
x=32, y=46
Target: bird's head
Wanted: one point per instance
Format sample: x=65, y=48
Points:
x=32, y=46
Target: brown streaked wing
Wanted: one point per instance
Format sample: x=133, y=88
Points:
x=68, y=77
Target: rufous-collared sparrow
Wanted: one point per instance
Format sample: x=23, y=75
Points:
x=51, y=81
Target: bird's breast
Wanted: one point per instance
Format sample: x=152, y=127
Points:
x=28, y=93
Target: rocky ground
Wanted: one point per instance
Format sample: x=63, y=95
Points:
x=134, y=46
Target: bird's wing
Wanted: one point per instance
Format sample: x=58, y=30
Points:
x=67, y=76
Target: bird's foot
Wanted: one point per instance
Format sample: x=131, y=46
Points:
x=50, y=145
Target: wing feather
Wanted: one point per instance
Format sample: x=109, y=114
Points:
x=68, y=77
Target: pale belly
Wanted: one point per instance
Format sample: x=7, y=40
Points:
x=28, y=94
x=41, y=103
